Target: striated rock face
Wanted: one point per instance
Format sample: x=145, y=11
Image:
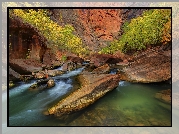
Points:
x=25, y=42
x=149, y=66
x=101, y=25
x=93, y=87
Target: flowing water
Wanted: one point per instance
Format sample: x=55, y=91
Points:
x=127, y=105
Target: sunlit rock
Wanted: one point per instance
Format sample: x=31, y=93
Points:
x=50, y=83
x=93, y=86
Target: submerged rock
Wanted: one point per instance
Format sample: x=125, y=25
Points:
x=93, y=86
x=34, y=86
x=164, y=96
x=42, y=84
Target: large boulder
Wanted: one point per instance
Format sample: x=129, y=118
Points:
x=25, y=66
x=93, y=87
x=148, y=66
x=50, y=83
x=101, y=59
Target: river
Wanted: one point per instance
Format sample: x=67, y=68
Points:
x=128, y=105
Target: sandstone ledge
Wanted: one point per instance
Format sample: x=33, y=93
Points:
x=149, y=66
x=93, y=86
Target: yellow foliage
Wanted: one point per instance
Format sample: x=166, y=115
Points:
x=55, y=34
x=166, y=33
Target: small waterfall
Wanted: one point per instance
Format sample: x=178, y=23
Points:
x=70, y=73
x=59, y=68
x=123, y=83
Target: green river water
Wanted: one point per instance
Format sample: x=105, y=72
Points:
x=127, y=105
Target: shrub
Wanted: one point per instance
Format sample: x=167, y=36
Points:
x=153, y=27
x=62, y=37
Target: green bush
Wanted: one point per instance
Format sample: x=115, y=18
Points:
x=63, y=58
x=153, y=27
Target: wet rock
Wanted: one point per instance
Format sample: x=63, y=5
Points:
x=54, y=72
x=40, y=75
x=42, y=84
x=11, y=84
x=72, y=66
x=50, y=83
x=164, y=95
x=93, y=86
x=148, y=66
x=65, y=67
x=34, y=86
x=25, y=78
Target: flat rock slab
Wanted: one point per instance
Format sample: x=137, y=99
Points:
x=93, y=86
x=149, y=66
x=25, y=66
